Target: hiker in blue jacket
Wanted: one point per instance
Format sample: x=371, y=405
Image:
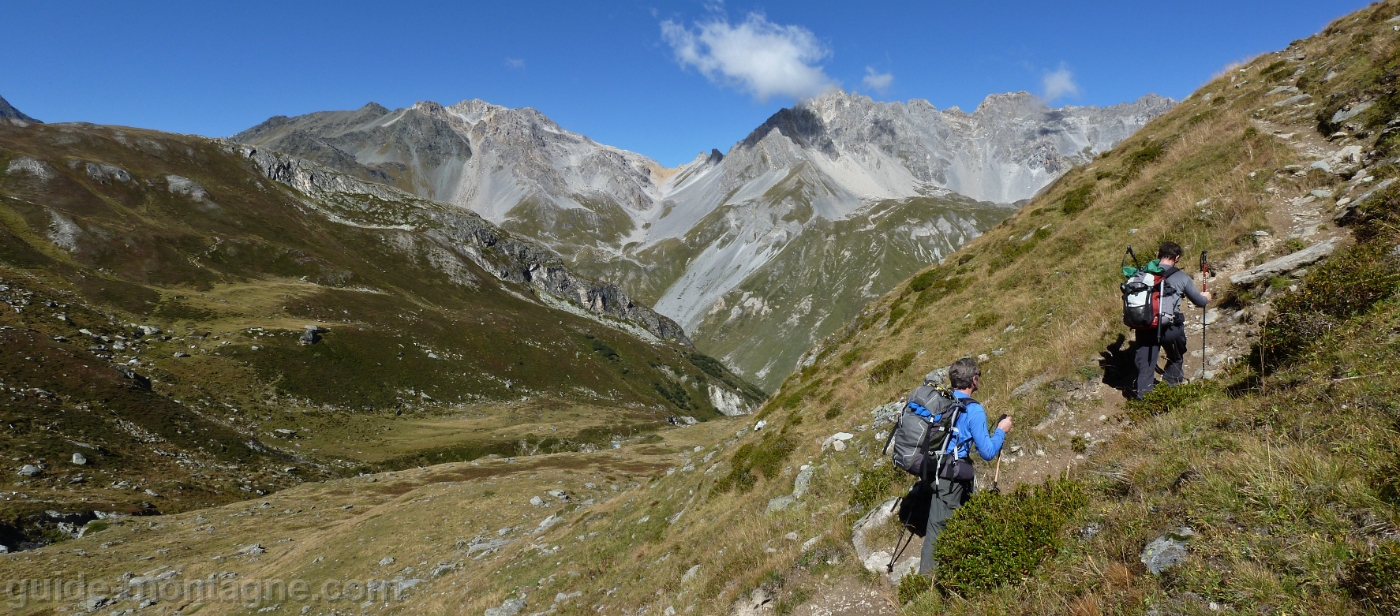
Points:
x=971, y=427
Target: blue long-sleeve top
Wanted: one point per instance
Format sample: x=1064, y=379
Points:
x=972, y=426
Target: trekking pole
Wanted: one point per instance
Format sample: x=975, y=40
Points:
x=1205, y=310
x=997, y=475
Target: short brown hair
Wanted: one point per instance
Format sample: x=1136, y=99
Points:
x=962, y=372
x=1169, y=250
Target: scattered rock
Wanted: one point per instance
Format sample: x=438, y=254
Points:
x=904, y=567
x=31, y=166
x=103, y=172
x=874, y=519
x=792, y=536
x=252, y=550
x=1166, y=551
x=1294, y=100
x=312, y=334
x=1345, y=114
x=780, y=503
x=386, y=561
x=184, y=186
x=1212, y=316
x=181, y=354
x=799, y=486
x=690, y=574
x=548, y=522
x=760, y=425
x=837, y=441
x=1347, y=209
x=885, y=414
x=92, y=604
x=29, y=470
x=937, y=378
x=1026, y=387
x=511, y=607
x=536, y=501
x=1321, y=193
x=559, y=494
x=1285, y=264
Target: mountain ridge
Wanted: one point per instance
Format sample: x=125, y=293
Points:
x=687, y=239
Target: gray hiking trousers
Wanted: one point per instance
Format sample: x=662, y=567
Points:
x=948, y=498
x=1148, y=348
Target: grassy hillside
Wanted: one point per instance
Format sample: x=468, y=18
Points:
x=158, y=288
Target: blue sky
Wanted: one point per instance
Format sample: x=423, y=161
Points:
x=666, y=79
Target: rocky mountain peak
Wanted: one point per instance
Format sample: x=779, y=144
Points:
x=1013, y=103
x=475, y=110
x=8, y=111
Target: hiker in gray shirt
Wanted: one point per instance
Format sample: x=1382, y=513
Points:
x=1171, y=334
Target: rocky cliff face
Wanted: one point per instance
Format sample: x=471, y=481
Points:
x=507, y=257
x=894, y=185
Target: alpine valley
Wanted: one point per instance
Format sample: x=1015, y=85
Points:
x=758, y=253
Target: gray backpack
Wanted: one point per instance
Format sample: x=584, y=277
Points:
x=927, y=420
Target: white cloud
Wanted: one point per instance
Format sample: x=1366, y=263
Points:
x=1060, y=82
x=879, y=82
x=755, y=56
x=515, y=63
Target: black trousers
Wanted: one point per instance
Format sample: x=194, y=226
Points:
x=1148, y=347
x=949, y=497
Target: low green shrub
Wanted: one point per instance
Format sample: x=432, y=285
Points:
x=878, y=485
x=1373, y=577
x=939, y=289
x=1143, y=156
x=832, y=413
x=911, y=586
x=999, y=538
x=1078, y=200
x=753, y=460
x=1344, y=286
x=884, y=370
x=925, y=280
x=1164, y=399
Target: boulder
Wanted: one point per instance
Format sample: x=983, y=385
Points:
x=1343, y=115
x=1285, y=264
x=937, y=378
x=79, y=459
x=1350, y=207
x=799, y=487
x=312, y=334
x=873, y=519
x=29, y=470
x=1294, y=100
x=837, y=441
x=510, y=607
x=780, y=503
x=1166, y=551
x=885, y=414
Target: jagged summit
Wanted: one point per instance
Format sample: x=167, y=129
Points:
x=8, y=111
